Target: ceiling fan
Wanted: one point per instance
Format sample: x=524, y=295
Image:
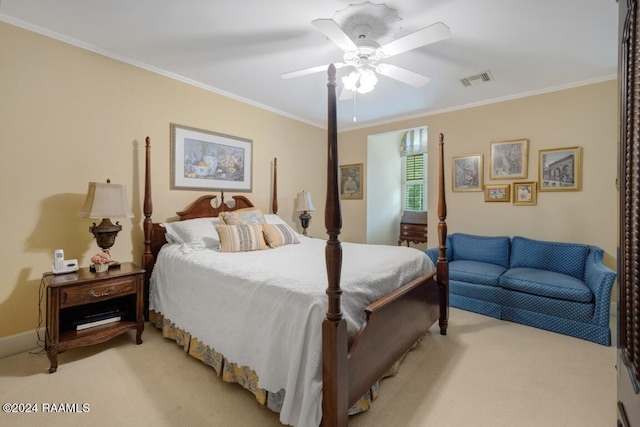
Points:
x=366, y=34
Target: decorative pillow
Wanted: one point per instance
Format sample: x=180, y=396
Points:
x=279, y=235
x=244, y=216
x=199, y=230
x=241, y=238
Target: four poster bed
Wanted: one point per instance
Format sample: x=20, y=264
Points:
x=267, y=319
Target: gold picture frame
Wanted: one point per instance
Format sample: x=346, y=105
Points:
x=525, y=193
x=560, y=169
x=509, y=159
x=497, y=193
x=202, y=160
x=467, y=172
x=351, y=181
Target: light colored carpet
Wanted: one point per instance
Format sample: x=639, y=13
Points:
x=485, y=372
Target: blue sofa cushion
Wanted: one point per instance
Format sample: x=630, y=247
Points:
x=493, y=250
x=565, y=258
x=559, y=308
x=546, y=283
x=481, y=273
x=475, y=291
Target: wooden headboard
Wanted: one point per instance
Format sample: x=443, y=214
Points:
x=203, y=207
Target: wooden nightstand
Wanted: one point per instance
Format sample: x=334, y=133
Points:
x=84, y=297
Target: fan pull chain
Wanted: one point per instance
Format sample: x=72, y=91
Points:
x=355, y=95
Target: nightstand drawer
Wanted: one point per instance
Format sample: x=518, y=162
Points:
x=94, y=292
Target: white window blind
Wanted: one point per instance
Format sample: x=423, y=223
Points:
x=414, y=183
x=413, y=150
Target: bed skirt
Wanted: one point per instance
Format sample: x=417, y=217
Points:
x=245, y=376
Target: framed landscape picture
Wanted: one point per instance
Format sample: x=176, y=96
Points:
x=467, y=172
x=560, y=169
x=509, y=159
x=524, y=193
x=205, y=160
x=497, y=193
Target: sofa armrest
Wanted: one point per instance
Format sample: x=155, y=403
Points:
x=433, y=253
x=600, y=280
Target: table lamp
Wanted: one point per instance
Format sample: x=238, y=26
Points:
x=304, y=205
x=106, y=201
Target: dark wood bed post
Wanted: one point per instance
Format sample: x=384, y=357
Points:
x=335, y=390
x=442, y=268
x=147, y=256
x=274, y=200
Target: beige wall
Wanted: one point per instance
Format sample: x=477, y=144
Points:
x=585, y=116
x=70, y=116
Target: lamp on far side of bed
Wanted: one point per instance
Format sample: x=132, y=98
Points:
x=304, y=205
x=106, y=201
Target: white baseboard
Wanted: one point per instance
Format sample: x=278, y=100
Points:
x=19, y=343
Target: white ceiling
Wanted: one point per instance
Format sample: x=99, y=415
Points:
x=240, y=48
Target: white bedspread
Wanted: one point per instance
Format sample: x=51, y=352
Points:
x=264, y=309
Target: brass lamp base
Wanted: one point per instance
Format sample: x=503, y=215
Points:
x=105, y=233
x=305, y=217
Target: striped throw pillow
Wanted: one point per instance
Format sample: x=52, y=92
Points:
x=241, y=238
x=279, y=235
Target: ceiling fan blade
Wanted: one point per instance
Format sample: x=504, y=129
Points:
x=305, y=71
x=403, y=75
x=431, y=34
x=331, y=29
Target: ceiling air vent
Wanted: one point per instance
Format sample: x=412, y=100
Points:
x=478, y=79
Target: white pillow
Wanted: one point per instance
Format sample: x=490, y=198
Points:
x=274, y=219
x=198, y=230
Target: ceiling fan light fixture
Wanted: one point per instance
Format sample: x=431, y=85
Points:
x=350, y=81
x=368, y=81
x=361, y=81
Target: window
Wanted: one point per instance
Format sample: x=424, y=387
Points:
x=413, y=149
x=414, y=182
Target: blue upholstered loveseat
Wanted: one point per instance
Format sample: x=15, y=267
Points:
x=560, y=287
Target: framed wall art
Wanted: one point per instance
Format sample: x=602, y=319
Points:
x=351, y=181
x=467, y=172
x=204, y=160
x=509, y=159
x=524, y=193
x=497, y=193
x=560, y=169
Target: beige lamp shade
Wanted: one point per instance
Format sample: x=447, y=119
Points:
x=106, y=200
x=304, y=203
